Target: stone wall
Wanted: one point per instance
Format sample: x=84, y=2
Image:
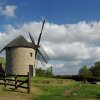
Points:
x=18, y=60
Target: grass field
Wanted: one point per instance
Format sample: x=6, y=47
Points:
x=54, y=89
x=60, y=89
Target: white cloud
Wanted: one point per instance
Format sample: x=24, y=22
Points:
x=67, y=67
x=75, y=43
x=8, y=10
x=59, y=65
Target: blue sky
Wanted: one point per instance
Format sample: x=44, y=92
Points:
x=71, y=34
x=56, y=11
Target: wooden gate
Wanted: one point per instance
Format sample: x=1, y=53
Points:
x=31, y=70
x=18, y=81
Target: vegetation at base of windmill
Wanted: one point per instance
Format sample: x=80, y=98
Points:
x=2, y=66
x=48, y=72
x=3, y=61
x=44, y=72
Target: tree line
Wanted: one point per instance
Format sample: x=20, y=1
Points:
x=93, y=71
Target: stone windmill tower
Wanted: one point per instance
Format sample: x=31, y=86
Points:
x=21, y=55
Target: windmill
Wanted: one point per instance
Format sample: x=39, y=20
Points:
x=40, y=54
x=22, y=56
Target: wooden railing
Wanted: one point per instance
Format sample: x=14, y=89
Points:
x=7, y=79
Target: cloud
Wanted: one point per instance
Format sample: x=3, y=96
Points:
x=8, y=10
x=69, y=45
x=67, y=67
x=59, y=65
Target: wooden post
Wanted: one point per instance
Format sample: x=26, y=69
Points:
x=28, y=83
x=4, y=79
x=15, y=82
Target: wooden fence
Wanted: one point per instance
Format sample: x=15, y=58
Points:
x=16, y=81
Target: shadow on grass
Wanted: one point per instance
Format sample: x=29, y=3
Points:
x=98, y=96
x=12, y=90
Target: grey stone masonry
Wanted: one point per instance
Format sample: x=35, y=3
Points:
x=18, y=60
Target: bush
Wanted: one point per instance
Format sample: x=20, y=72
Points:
x=44, y=73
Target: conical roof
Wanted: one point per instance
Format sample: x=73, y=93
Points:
x=20, y=41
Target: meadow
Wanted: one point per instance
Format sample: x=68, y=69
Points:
x=53, y=89
x=62, y=89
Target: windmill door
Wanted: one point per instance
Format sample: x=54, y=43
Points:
x=31, y=70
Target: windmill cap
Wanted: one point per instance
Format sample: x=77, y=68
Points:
x=20, y=41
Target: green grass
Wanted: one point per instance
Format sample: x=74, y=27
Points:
x=59, y=89
x=54, y=89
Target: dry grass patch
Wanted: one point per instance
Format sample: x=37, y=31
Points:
x=67, y=92
x=8, y=93
x=35, y=91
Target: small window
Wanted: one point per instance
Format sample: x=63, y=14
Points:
x=31, y=54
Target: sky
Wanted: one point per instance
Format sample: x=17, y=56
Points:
x=71, y=33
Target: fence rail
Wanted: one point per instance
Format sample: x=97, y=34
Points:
x=17, y=82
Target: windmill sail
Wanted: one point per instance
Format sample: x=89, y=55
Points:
x=39, y=37
x=31, y=37
x=40, y=33
x=42, y=56
x=1, y=50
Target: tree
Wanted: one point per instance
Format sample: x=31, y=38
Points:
x=2, y=65
x=40, y=72
x=84, y=72
x=96, y=69
x=48, y=72
x=2, y=60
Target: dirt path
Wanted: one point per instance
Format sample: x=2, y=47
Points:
x=13, y=97
x=10, y=95
x=21, y=94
